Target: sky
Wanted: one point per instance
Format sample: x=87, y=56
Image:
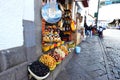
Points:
x=93, y=6
x=108, y=12
x=91, y=10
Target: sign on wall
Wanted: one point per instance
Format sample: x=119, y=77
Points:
x=107, y=2
x=11, y=29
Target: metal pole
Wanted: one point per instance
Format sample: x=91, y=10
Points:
x=97, y=12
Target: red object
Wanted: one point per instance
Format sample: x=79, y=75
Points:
x=85, y=3
x=43, y=25
x=55, y=45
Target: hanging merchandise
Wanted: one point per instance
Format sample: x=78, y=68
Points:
x=60, y=23
x=73, y=27
x=50, y=12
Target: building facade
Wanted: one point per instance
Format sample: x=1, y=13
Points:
x=20, y=37
x=20, y=43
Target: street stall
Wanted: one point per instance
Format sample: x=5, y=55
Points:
x=58, y=30
x=59, y=35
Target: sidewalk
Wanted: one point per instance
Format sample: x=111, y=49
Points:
x=88, y=65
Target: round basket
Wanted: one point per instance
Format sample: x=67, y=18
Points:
x=37, y=77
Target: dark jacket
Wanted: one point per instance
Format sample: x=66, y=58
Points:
x=89, y=28
x=86, y=26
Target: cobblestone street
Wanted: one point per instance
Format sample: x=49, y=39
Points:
x=112, y=51
x=59, y=40
x=88, y=65
x=99, y=59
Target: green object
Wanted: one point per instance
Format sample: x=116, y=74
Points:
x=95, y=14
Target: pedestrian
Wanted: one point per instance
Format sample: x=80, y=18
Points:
x=94, y=30
x=86, y=27
x=100, y=31
x=90, y=30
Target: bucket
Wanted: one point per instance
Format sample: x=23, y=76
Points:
x=77, y=50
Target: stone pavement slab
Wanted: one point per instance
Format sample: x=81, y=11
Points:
x=88, y=65
x=111, y=44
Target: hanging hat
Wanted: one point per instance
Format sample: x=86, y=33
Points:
x=51, y=14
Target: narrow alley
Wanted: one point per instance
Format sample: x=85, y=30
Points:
x=59, y=40
x=98, y=60
x=111, y=43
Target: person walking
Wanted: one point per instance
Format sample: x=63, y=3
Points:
x=100, y=31
x=86, y=27
x=90, y=30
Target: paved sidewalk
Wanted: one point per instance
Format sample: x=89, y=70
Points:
x=90, y=64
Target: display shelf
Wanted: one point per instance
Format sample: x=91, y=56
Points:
x=58, y=30
x=55, y=43
x=59, y=67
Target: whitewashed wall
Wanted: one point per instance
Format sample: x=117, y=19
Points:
x=28, y=10
x=12, y=12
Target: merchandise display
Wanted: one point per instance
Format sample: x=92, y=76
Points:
x=48, y=61
x=50, y=12
x=56, y=56
x=56, y=37
x=46, y=47
x=57, y=41
x=38, y=70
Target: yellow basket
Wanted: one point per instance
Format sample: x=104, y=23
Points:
x=58, y=44
x=46, y=48
x=51, y=46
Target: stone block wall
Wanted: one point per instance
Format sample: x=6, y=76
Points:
x=14, y=61
x=12, y=57
x=13, y=64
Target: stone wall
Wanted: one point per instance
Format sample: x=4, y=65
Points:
x=14, y=61
x=13, y=64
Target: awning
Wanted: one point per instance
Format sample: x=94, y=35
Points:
x=85, y=3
